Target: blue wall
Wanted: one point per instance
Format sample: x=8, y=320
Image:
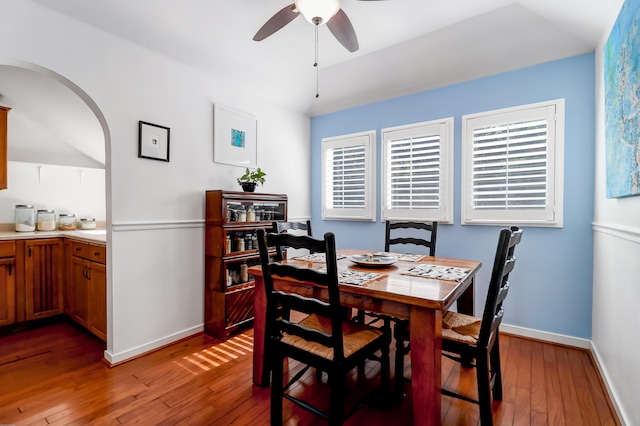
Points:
x=552, y=284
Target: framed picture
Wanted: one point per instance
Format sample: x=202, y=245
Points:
x=153, y=141
x=234, y=137
x=622, y=109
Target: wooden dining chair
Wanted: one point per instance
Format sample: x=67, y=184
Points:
x=325, y=339
x=466, y=337
x=417, y=234
x=288, y=227
x=422, y=234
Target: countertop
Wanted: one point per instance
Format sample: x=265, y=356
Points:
x=98, y=236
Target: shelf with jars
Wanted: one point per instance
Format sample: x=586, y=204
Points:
x=232, y=219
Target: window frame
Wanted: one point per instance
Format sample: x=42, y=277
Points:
x=445, y=129
x=552, y=214
x=368, y=212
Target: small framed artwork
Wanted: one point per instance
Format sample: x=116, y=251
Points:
x=153, y=141
x=234, y=137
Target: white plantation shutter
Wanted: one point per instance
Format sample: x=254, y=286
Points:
x=346, y=175
x=417, y=171
x=511, y=172
x=348, y=172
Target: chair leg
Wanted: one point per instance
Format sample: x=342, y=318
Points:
x=338, y=384
x=496, y=370
x=484, y=389
x=400, y=333
x=276, y=389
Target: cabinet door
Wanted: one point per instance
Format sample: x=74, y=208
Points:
x=7, y=291
x=98, y=301
x=81, y=285
x=43, y=280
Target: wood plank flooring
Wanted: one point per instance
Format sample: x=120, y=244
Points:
x=54, y=376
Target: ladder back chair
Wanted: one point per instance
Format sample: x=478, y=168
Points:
x=423, y=234
x=465, y=337
x=286, y=227
x=325, y=339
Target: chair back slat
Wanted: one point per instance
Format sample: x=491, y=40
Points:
x=503, y=265
x=430, y=228
x=280, y=302
x=285, y=227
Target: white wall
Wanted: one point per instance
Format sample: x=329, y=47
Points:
x=616, y=282
x=155, y=209
x=62, y=188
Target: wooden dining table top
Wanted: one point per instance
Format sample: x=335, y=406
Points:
x=393, y=283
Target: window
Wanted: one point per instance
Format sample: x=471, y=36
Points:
x=417, y=172
x=512, y=166
x=348, y=177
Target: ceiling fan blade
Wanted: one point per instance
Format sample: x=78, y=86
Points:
x=277, y=21
x=340, y=26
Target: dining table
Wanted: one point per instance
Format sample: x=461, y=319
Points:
x=417, y=288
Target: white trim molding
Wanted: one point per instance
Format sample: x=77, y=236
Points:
x=624, y=232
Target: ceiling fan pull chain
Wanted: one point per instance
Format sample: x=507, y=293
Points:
x=316, y=66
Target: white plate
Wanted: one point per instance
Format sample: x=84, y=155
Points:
x=373, y=259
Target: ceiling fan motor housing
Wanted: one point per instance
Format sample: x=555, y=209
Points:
x=318, y=12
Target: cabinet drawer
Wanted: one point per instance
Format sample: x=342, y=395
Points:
x=90, y=252
x=7, y=248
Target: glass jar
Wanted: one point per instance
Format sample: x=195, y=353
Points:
x=87, y=223
x=242, y=215
x=244, y=272
x=25, y=218
x=46, y=220
x=251, y=214
x=67, y=221
x=227, y=244
x=239, y=243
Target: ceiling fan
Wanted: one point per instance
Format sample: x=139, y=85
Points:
x=317, y=12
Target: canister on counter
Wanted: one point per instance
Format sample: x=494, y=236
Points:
x=87, y=223
x=46, y=220
x=67, y=221
x=25, y=218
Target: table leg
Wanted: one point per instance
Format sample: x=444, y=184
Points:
x=466, y=301
x=260, y=370
x=426, y=346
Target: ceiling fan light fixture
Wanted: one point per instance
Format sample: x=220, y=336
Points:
x=318, y=12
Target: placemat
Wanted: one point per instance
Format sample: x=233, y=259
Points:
x=317, y=257
x=437, y=271
x=349, y=276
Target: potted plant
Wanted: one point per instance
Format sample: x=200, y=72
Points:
x=250, y=178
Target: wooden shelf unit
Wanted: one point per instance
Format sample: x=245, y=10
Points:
x=228, y=297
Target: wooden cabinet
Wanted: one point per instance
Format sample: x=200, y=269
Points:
x=43, y=278
x=232, y=219
x=86, y=286
x=4, y=112
x=7, y=282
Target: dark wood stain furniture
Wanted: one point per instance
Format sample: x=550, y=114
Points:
x=324, y=339
x=417, y=299
x=229, y=296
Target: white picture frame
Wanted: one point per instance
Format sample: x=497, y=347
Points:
x=234, y=137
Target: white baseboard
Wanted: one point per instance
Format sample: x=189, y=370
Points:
x=613, y=395
x=546, y=336
x=113, y=359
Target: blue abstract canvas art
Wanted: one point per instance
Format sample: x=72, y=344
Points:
x=622, y=103
x=237, y=138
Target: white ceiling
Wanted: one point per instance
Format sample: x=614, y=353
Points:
x=406, y=46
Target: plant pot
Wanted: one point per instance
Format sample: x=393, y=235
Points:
x=248, y=186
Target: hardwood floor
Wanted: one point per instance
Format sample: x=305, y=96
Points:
x=54, y=376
